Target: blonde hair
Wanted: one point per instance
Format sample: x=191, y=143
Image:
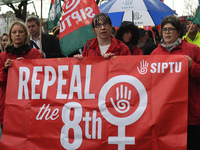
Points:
x=22, y=24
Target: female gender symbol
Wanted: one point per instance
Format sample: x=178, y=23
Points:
x=122, y=140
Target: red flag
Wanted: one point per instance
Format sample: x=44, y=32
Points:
x=158, y=27
x=75, y=28
x=149, y=28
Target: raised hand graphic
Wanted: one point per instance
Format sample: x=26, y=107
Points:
x=143, y=67
x=122, y=99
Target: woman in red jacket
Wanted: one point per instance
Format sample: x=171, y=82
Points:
x=104, y=44
x=129, y=34
x=172, y=43
x=18, y=48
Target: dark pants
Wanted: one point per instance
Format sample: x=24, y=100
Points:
x=193, y=141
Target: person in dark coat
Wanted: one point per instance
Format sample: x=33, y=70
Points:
x=146, y=44
x=49, y=48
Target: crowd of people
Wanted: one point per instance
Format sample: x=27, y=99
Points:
x=127, y=40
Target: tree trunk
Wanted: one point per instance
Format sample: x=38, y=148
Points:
x=20, y=12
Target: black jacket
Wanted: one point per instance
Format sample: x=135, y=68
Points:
x=50, y=46
x=149, y=47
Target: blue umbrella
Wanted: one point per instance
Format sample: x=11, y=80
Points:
x=141, y=12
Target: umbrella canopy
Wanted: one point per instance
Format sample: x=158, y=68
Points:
x=141, y=12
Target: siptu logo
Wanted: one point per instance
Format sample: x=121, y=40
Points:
x=70, y=5
x=137, y=15
x=128, y=2
x=143, y=67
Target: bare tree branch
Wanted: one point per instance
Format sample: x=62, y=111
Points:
x=20, y=11
x=11, y=6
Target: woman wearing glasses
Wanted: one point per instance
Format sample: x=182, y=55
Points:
x=104, y=44
x=171, y=43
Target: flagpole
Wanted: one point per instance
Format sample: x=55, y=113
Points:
x=41, y=26
x=154, y=39
x=188, y=31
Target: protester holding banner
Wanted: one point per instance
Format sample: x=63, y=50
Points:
x=104, y=44
x=49, y=48
x=193, y=35
x=128, y=33
x=172, y=43
x=18, y=48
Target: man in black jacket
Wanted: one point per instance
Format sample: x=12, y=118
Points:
x=145, y=44
x=49, y=47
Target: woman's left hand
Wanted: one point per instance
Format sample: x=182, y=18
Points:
x=189, y=60
x=108, y=55
x=78, y=56
x=8, y=63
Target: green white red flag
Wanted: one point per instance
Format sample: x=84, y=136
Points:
x=197, y=18
x=54, y=13
x=76, y=28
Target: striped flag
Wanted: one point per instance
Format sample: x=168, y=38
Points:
x=76, y=24
x=197, y=18
x=54, y=13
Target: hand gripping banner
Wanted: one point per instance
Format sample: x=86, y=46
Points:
x=127, y=102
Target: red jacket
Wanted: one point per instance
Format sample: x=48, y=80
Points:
x=193, y=51
x=32, y=54
x=91, y=48
x=136, y=51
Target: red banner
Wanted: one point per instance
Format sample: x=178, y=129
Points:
x=127, y=102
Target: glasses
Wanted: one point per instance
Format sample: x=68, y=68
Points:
x=168, y=29
x=99, y=25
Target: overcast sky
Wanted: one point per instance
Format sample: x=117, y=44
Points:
x=177, y=5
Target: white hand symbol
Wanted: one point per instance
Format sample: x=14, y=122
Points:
x=143, y=67
x=123, y=104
